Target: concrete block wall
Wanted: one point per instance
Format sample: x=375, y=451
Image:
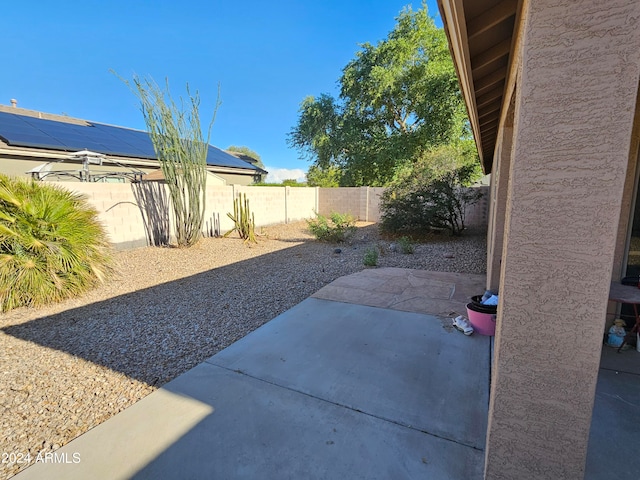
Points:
x=477, y=215
x=136, y=215
x=361, y=202
x=268, y=204
x=219, y=203
x=364, y=204
x=341, y=200
x=301, y=203
x=117, y=210
x=373, y=204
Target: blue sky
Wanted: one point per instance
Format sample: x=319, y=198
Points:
x=266, y=56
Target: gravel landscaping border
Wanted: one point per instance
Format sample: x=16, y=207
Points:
x=68, y=367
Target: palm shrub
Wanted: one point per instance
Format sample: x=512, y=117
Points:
x=52, y=245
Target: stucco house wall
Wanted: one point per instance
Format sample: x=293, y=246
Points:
x=563, y=151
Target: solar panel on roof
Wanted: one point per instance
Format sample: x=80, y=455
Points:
x=36, y=141
x=216, y=156
x=25, y=131
x=136, y=141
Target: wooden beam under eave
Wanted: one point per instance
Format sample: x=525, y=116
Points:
x=483, y=84
x=488, y=148
x=489, y=97
x=491, y=109
x=490, y=18
x=490, y=134
x=490, y=120
x=490, y=124
x=488, y=154
x=492, y=54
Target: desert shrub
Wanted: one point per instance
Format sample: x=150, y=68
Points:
x=431, y=194
x=370, y=258
x=406, y=245
x=52, y=245
x=337, y=228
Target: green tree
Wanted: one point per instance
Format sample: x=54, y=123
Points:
x=252, y=155
x=246, y=151
x=181, y=149
x=317, y=135
x=323, y=177
x=52, y=245
x=292, y=182
x=397, y=99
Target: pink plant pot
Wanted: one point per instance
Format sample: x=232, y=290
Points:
x=482, y=323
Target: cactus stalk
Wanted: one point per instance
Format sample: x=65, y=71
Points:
x=243, y=220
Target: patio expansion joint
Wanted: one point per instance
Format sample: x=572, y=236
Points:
x=353, y=409
x=618, y=370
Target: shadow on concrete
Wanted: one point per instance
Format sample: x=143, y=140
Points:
x=242, y=418
x=615, y=424
x=179, y=327
x=325, y=390
x=331, y=390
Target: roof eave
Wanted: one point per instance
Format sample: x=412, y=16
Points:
x=482, y=51
x=452, y=14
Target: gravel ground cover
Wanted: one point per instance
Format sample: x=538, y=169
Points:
x=68, y=367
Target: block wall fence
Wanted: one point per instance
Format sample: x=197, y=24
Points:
x=138, y=214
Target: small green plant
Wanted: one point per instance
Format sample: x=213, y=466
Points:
x=335, y=229
x=370, y=257
x=52, y=245
x=406, y=245
x=243, y=220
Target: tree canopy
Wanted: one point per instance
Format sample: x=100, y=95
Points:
x=323, y=177
x=247, y=152
x=398, y=99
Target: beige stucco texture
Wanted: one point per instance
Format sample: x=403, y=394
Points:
x=498, y=203
x=575, y=102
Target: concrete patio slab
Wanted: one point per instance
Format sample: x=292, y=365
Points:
x=419, y=291
x=258, y=430
x=615, y=424
x=325, y=390
x=407, y=368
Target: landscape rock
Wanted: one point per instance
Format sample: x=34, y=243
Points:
x=70, y=366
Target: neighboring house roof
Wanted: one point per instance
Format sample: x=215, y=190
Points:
x=69, y=135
